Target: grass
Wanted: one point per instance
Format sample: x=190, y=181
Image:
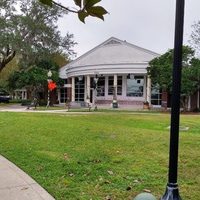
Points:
x=98, y=155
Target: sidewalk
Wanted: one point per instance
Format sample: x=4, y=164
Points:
x=17, y=185
x=19, y=108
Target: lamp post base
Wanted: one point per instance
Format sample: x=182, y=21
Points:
x=48, y=104
x=171, y=192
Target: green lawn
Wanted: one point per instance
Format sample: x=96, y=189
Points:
x=97, y=155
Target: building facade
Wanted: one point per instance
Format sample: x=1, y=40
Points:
x=114, y=71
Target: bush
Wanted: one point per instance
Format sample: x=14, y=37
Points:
x=196, y=110
x=22, y=101
x=28, y=101
x=42, y=103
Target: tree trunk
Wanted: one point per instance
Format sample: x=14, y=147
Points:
x=7, y=59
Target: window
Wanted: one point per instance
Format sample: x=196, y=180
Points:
x=156, y=95
x=101, y=86
x=63, y=95
x=79, y=89
x=119, y=85
x=134, y=86
x=111, y=85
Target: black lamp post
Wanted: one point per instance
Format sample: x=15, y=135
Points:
x=172, y=192
x=95, y=83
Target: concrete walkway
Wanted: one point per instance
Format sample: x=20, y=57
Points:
x=17, y=185
x=19, y=108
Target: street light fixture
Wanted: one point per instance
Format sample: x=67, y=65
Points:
x=49, y=74
x=80, y=78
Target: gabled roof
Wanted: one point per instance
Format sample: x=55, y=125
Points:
x=111, y=52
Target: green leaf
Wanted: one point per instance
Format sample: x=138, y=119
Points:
x=46, y=2
x=78, y=2
x=90, y=3
x=97, y=11
x=82, y=15
x=85, y=2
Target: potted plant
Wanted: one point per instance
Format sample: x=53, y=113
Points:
x=67, y=101
x=146, y=105
x=115, y=105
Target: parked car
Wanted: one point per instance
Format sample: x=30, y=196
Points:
x=4, y=98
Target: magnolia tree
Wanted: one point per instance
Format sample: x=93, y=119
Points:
x=7, y=52
x=160, y=71
x=29, y=32
x=31, y=40
x=29, y=29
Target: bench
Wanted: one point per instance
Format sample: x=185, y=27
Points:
x=78, y=105
x=29, y=105
x=34, y=104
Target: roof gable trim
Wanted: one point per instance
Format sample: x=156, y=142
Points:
x=112, y=42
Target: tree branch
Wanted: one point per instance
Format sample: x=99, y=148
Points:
x=65, y=8
x=6, y=60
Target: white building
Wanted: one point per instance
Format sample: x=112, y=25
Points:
x=120, y=68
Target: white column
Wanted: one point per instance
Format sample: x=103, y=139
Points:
x=58, y=90
x=88, y=86
x=115, y=81
x=115, y=88
x=73, y=88
x=149, y=90
x=26, y=94
x=22, y=92
x=189, y=103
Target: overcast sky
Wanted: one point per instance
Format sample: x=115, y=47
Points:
x=146, y=23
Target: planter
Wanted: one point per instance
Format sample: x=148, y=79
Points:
x=146, y=106
x=67, y=104
x=115, y=105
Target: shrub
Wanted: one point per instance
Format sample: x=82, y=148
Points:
x=196, y=110
x=22, y=101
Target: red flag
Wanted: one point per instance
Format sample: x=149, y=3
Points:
x=51, y=85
